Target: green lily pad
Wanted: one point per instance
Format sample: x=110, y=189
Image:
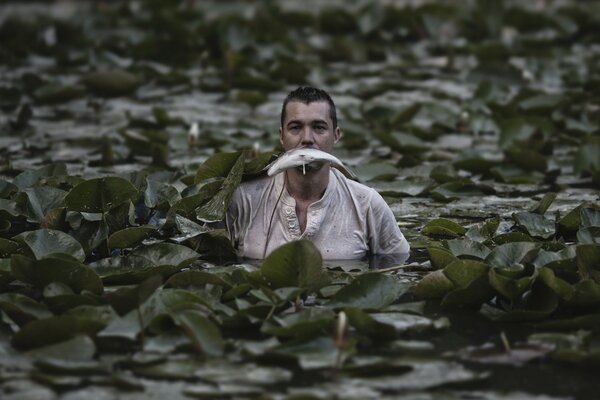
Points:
x=214, y=210
x=509, y=254
x=440, y=257
x=464, y=248
x=31, y=177
x=370, y=291
x=109, y=83
x=298, y=263
x=129, y=237
x=535, y=224
x=53, y=269
x=22, y=309
x=48, y=331
x=433, y=285
x=204, y=334
x=100, y=195
x=441, y=227
x=46, y=242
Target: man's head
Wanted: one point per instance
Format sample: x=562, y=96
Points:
x=308, y=119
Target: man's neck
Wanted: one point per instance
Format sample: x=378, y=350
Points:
x=309, y=186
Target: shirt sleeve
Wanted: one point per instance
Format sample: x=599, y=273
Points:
x=385, y=236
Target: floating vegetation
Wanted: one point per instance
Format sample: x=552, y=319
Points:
x=125, y=127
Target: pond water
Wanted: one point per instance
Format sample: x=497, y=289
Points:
x=485, y=115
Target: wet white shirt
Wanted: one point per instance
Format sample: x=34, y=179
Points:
x=350, y=221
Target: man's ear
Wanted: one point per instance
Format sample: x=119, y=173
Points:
x=281, y=136
x=337, y=134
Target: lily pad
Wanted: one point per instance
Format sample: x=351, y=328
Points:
x=370, y=291
x=100, y=195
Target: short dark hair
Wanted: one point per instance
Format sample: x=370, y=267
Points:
x=307, y=95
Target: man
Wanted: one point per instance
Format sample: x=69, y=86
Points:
x=343, y=218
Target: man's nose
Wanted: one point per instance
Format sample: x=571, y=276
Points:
x=308, y=138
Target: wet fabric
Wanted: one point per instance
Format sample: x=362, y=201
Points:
x=350, y=220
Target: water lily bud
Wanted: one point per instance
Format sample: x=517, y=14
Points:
x=341, y=329
x=193, y=134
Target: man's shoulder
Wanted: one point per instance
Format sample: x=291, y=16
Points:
x=256, y=183
x=352, y=185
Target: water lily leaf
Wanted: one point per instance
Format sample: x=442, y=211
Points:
x=541, y=102
x=170, y=369
x=306, y=324
x=32, y=177
x=440, y=257
x=9, y=247
x=469, y=281
x=188, y=229
x=71, y=367
x=588, y=260
x=166, y=254
x=588, y=321
x=513, y=174
x=216, y=207
x=455, y=190
x=511, y=288
x=475, y=164
x=7, y=189
x=204, y=334
x=405, y=187
x=527, y=159
x=318, y=353
x=562, y=288
x=518, y=355
x=187, y=279
x=55, y=93
x=433, y=285
x=129, y=237
x=370, y=291
x=376, y=171
x=100, y=195
x=506, y=255
x=111, y=83
x=41, y=200
x=483, y=231
x=519, y=129
x=536, y=225
x=48, y=331
x=441, y=227
x=587, y=292
x=45, y=242
x=462, y=272
x=542, y=206
x=160, y=194
x=78, y=348
x=187, y=205
x=217, y=166
x=572, y=220
x=223, y=372
x=537, y=304
x=512, y=237
x=53, y=269
x=298, y=263
x=590, y=217
x=586, y=159
x=424, y=374
x=130, y=269
x=464, y=248
x=588, y=235
x=22, y=309
x=126, y=299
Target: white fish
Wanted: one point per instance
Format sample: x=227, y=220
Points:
x=303, y=157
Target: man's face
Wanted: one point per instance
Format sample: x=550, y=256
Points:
x=308, y=125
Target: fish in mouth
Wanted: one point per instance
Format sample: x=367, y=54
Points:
x=306, y=158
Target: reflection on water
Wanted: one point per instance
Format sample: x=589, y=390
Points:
x=374, y=261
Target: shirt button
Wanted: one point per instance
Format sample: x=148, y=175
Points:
x=291, y=224
x=288, y=211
